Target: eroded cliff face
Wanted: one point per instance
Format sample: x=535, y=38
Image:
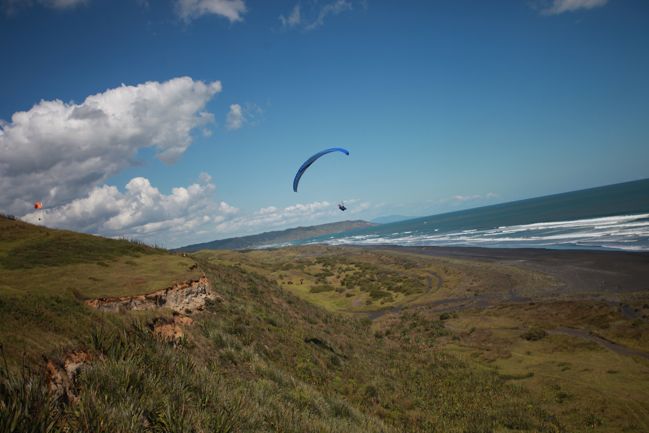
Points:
x=182, y=297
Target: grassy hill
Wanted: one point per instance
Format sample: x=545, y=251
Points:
x=269, y=356
x=45, y=273
x=277, y=237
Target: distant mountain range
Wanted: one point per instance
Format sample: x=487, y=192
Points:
x=277, y=237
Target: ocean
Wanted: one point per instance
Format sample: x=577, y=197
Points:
x=609, y=217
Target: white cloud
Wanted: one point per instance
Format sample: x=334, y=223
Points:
x=561, y=6
x=233, y=10
x=58, y=152
x=227, y=209
x=12, y=6
x=463, y=198
x=333, y=8
x=274, y=218
x=63, y=4
x=185, y=216
x=142, y=212
x=459, y=198
x=238, y=116
x=315, y=16
x=293, y=19
x=235, y=117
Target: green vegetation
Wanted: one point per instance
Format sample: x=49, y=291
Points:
x=42, y=261
x=365, y=281
x=23, y=246
x=534, y=334
x=266, y=357
x=264, y=360
x=45, y=274
x=589, y=387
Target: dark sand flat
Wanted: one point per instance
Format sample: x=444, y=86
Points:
x=581, y=271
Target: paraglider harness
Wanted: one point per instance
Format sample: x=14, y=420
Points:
x=342, y=207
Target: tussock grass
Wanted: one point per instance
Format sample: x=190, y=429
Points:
x=26, y=405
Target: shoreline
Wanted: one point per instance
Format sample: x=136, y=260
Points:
x=582, y=271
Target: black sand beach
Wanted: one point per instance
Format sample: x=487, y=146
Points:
x=582, y=271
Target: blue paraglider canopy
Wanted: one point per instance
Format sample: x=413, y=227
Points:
x=311, y=160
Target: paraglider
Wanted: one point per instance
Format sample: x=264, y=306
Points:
x=38, y=205
x=311, y=160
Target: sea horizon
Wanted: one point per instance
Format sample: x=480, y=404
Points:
x=611, y=217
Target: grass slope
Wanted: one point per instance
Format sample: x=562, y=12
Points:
x=356, y=279
x=264, y=360
x=268, y=357
x=44, y=274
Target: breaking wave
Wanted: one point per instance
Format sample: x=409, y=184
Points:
x=622, y=232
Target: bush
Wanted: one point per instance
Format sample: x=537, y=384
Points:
x=321, y=288
x=534, y=334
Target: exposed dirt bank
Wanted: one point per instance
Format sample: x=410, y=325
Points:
x=170, y=330
x=182, y=297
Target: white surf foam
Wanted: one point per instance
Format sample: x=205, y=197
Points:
x=624, y=232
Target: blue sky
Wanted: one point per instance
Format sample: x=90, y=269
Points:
x=443, y=105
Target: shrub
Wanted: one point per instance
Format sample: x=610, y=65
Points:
x=534, y=334
x=321, y=288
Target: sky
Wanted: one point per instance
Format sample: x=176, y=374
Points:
x=184, y=121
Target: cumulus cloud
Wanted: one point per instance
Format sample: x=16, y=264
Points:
x=238, y=116
x=58, y=152
x=141, y=211
x=235, y=117
x=273, y=218
x=233, y=10
x=315, y=16
x=186, y=215
x=561, y=6
x=278, y=218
